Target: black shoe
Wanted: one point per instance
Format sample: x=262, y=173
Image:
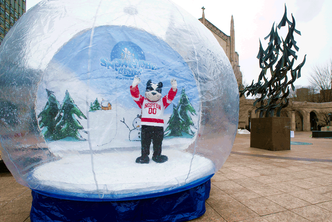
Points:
x=143, y=159
x=160, y=159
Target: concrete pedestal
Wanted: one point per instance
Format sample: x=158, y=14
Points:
x=321, y=134
x=270, y=133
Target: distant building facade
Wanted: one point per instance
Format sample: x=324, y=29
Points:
x=10, y=12
x=309, y=95
x=304, y=115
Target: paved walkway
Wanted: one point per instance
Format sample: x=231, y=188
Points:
x=253, y=185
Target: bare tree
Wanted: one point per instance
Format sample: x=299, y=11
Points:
x=321, y=77
x=302, y=94
x=325, y=119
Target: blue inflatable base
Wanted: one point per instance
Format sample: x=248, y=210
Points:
x=182, y=206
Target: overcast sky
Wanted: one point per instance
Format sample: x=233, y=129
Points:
x=253, y=21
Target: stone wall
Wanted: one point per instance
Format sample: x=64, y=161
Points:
x=299, y=112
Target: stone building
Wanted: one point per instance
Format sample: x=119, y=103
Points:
x=306, y=111
x=10, y=12
x=305, y=116
x=227, y=43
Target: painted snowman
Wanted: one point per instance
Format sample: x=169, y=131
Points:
x=135, y=133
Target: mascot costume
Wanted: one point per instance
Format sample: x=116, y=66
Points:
x=152, y=121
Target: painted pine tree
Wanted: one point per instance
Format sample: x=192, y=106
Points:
x=180, y=122
x=48, y=115
x=95, y=105
x=186, y=110
x=68, y=125
x=174, y=127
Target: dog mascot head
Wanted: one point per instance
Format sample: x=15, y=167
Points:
x=153, y=91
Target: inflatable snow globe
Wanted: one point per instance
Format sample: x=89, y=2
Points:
x=115, y=107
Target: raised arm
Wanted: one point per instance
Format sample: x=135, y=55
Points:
x=134, y=91
x=167, y=100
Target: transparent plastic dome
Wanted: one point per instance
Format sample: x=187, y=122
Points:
x=68, y=123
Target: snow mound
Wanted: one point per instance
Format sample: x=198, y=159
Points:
x=242, y=131
x=116, y=175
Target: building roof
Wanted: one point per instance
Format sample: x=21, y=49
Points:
x=215, y=29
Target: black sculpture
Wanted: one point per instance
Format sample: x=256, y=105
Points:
x=278, y=59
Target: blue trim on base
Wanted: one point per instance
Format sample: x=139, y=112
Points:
x=182, y=206
x=59, y=194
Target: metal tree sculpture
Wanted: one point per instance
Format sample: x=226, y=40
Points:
x=278, y=59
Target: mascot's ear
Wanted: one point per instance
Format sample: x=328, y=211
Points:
x=160, y=85
x=148, y=83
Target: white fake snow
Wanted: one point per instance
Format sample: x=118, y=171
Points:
x=118, y=174
x=243, y=131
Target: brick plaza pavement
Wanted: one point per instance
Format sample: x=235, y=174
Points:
x=253, y=185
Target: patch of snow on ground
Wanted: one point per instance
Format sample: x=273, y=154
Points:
x=243, y=131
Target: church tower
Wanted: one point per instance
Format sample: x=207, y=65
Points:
x=203, y=15
x=232, y=39
x=227, y=43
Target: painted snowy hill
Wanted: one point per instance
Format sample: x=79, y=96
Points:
x=104, y=130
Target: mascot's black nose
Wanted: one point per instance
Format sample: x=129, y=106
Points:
x=153, y=93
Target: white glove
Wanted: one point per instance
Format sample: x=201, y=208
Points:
x=174, y=84
x=136, y=81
